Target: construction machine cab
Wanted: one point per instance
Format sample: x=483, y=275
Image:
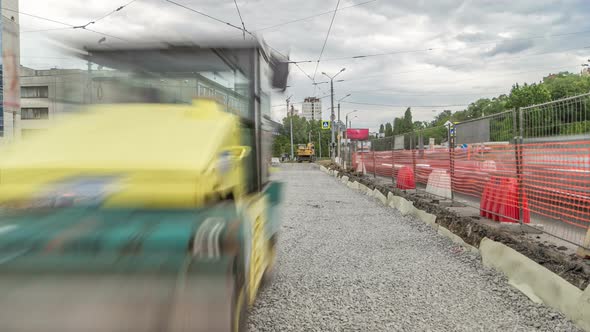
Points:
x=238, y=74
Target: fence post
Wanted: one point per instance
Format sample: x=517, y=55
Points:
x=374, y=163
x=392, y=160
x=413, y=157
x=451, y=140
x=518, y=142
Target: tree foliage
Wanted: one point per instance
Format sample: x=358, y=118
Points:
x=388, y=130
x=303, y=131
x=552, y=87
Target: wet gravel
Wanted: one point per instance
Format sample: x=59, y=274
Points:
x=347, y=263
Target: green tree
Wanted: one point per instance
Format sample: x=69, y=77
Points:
x=566, y=84
x=407, y=123
x=527, y=95
x=381, y=129
x=441, y=118
x=388, y=130
x=397, y=126
x=418, y=125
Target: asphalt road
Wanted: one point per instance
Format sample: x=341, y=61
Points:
x=347, y=263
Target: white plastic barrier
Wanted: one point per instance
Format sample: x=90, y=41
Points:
x=439, y=183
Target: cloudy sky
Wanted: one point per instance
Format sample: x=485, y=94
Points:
x=430, y=55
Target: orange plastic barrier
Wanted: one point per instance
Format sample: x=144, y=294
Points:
x=405, y=178
x=499, y=201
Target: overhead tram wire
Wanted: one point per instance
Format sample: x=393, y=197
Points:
x=75, y=27
x=208, y=16
x=243, y=29
x=312, y=16
x=299, y=67
x=326, y=40
x=114, y=11
x=241, y=19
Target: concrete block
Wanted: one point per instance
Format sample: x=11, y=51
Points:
x=584, y=253
x=335, y=173
x=393, y=201
x=362, y=188
x=323, y=169
x=537, y=282
x=405, y=207
x=582, y=316
x=426, y=217
x=353, y=185
x=379, y=195
x=456, y=239
x=344, y=179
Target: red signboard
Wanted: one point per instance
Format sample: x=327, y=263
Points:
x=357, y=134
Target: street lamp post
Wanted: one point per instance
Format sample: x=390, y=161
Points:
x=346, y=124
x=332, y=115
x=355, y=117
x=346, y=135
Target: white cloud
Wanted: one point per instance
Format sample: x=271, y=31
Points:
x=462, y=63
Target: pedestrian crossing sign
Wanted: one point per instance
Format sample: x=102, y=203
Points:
x=325, y=124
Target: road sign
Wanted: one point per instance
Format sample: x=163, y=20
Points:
x=325, y=124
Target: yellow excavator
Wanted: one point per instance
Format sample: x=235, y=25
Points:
x=306, y=152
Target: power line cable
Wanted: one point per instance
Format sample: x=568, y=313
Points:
x=497, y=76
x=46, y=30
x=38, y=17
x=399, y=105
x=312, y=16
x=442, y=48
x=503, y=60
x=326, y=40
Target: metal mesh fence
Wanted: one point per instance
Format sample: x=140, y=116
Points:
x=530, y=166
x=565, y=117
x=500, y=127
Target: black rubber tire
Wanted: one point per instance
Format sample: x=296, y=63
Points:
x=239, y=303
x=269, y=273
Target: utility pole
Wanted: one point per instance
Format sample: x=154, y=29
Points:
x=340, y=131
x=332, y=154
x=320, y=141
x=291, y=124
x=332, y=115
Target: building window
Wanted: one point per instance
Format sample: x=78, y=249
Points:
x=34, y=92
x=34, y=113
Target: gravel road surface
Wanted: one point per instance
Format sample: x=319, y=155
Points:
x=347, y=263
